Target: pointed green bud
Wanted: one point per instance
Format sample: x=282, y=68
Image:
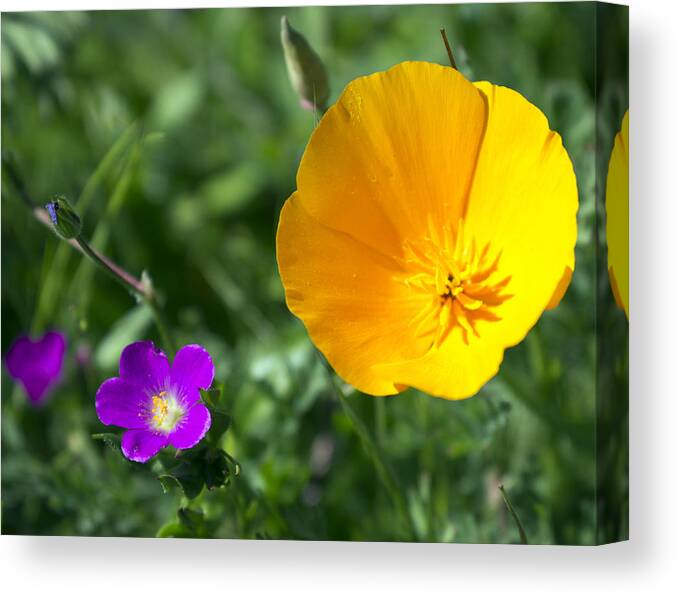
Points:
x=305, y=68
x=66, y=222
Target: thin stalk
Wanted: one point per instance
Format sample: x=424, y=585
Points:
x=373, y=452
x=514, y=514
x=380, y=422
x=450, y=56
x=137, y=287
x=120, y=275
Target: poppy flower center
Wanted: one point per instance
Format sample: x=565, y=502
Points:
x=166, y=411
x=460, y=280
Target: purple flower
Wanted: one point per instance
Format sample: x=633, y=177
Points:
x=159, y=405
x=37, y=364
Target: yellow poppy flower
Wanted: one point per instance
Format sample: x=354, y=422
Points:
x=617, y=208
x=434, y=221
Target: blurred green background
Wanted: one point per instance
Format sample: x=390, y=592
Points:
x=178, y=136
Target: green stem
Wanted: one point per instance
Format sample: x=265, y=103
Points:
x=114, y=271
x=137, y=287
x=380, y=422
x=450, y=56
x=507, y=501
x=163, y=328
x=372, y=450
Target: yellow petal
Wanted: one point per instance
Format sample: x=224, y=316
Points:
x=457, y=370
x=615, y=290
x=617, y=208
x=397, y=150
x=344, y=293
x=524, y=201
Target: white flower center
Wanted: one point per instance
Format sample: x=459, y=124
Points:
x=167, y=411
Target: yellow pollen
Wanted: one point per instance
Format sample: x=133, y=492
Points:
x=460, y=281
x=166, y=411
x=159, y=409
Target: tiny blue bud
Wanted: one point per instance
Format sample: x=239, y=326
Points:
x=65, y=220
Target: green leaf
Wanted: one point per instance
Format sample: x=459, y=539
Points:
x=211, y=397
x=126, y=329
x=202, y=466
x=110, y=440
x=216, y=469
x=186, y=476
x=190, y=523
x=193, y=520
x=174, y=529
x=221, y=420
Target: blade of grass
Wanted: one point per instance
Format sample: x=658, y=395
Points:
x=52, y=285
x=82, y=279
x=106, y=165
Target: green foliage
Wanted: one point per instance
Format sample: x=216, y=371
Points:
x=202, y=466
x=180, y=134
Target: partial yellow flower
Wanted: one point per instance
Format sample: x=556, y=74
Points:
x=434, y=221
x=617, y=208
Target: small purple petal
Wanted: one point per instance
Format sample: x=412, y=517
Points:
x=141, y=445
x=121, y=403
x=51, y=209
x=143, y=364
x=192, y=368
x=192, y=428
x=37, y=365
x=36, y=384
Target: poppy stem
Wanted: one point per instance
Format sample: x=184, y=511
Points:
x=450, y=56
x=507, y=501
x=382, y=468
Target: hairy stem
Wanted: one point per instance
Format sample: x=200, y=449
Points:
x=137, y=287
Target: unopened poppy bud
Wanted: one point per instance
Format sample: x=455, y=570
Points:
x=304, y=67
x=66, y=222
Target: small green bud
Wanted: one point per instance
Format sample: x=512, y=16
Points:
x=305, y=68
x=66, y=222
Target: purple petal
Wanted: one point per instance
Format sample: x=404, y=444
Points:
x=37, y=365
x=36, y=385
x=192, y=427
x=17, y=358
x=141, y=445
x=143, y=364
x=192, y=368
x=121, y=403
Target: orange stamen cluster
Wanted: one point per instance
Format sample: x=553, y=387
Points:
x=459, y=278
